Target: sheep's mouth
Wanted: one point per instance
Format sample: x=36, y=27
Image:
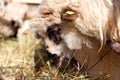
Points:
x=54, y=33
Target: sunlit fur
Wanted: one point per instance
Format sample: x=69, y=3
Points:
x=97, y=21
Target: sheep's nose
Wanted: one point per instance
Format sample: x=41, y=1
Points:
x=54, y=33
x=14, y=26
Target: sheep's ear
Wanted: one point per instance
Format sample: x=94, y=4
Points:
x=114, y=46
x=69, y=15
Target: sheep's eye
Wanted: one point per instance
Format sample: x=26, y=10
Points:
x=48, y=13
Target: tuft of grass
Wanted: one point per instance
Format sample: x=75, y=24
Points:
x=16, y=57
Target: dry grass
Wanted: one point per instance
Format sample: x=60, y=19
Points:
x=16, y=58
x=17, y=61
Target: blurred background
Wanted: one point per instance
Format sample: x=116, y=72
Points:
x=17, y=42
